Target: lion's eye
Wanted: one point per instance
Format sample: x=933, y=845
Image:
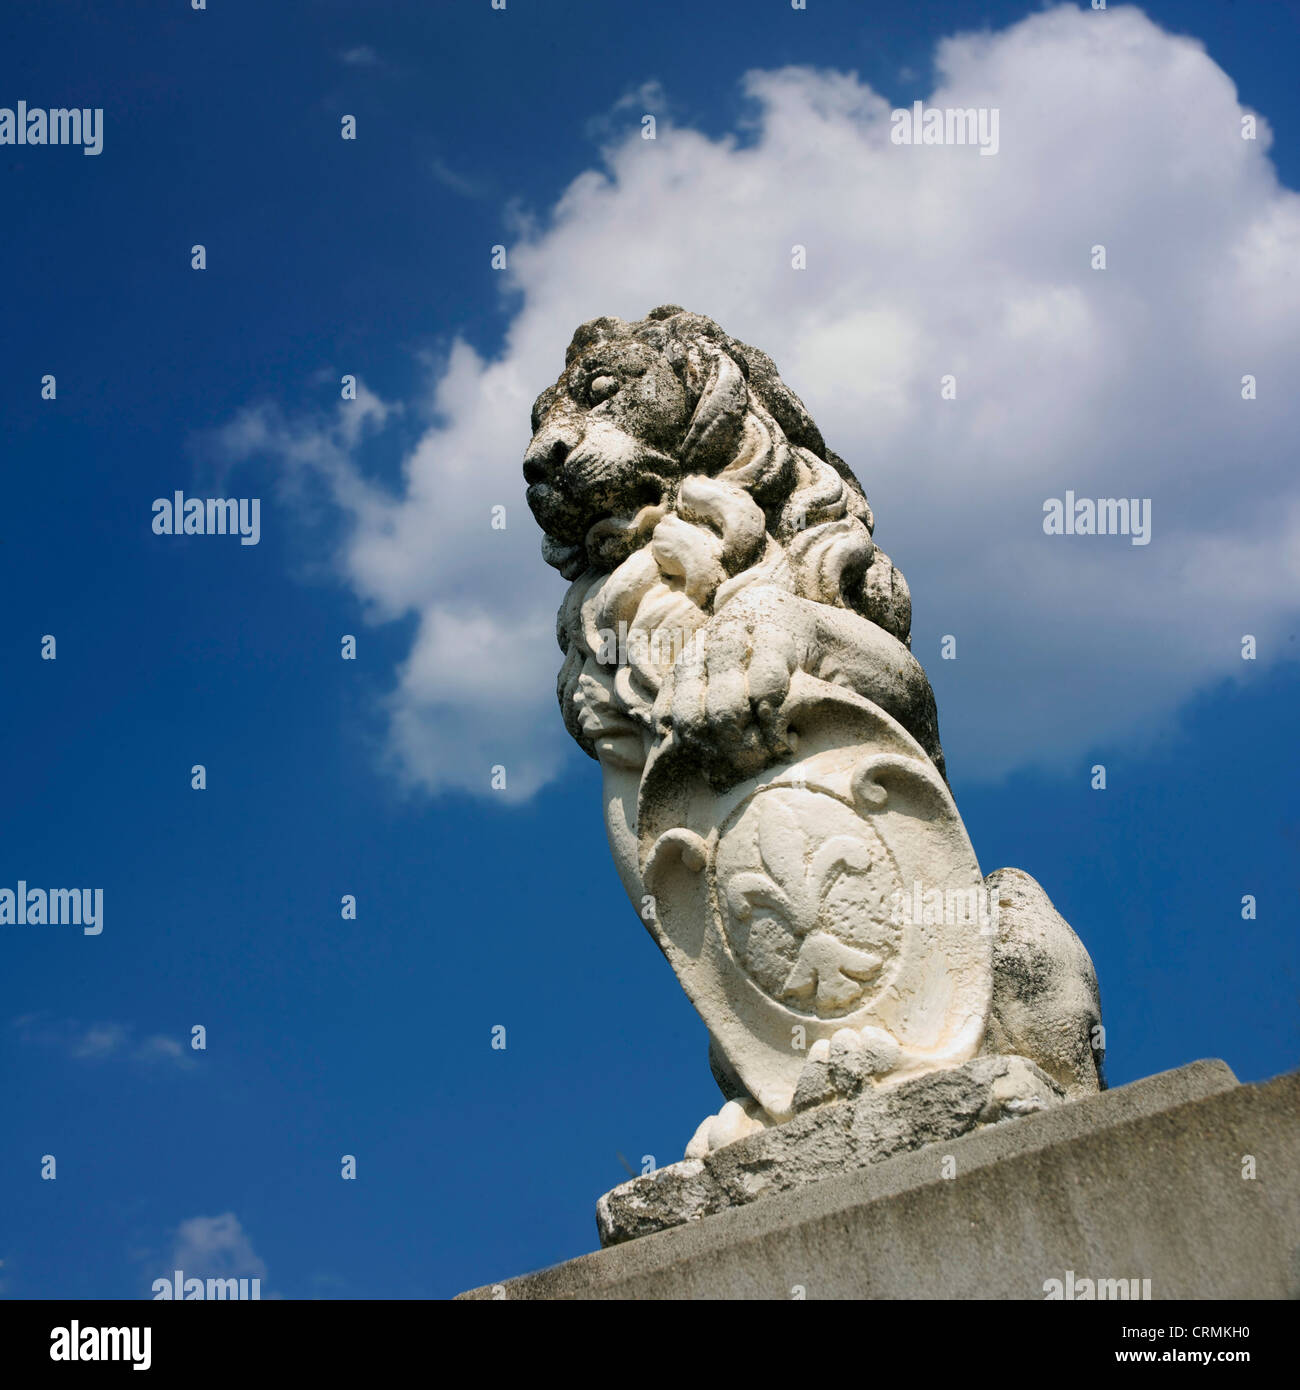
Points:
x=602, y=388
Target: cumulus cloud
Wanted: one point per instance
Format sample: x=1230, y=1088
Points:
x=922, y=261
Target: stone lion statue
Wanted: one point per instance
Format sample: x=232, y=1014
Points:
x=724, y=582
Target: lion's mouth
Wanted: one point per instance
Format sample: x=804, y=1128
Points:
x=537, y=497
x=612, y=539
x=574, y=520
x=556, y=513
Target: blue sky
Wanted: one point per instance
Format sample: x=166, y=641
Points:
x=221, y=907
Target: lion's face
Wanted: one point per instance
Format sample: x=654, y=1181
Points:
x=605, y=437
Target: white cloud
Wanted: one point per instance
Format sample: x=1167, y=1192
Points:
x=216, y=1247
x=922, y=260
x=458, y=183
x=97, y=1042
x=363, y=56
x=161, y=1048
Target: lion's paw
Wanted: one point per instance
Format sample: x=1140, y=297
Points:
x=736, y=1120
x=724, y=700
x=841, y=1066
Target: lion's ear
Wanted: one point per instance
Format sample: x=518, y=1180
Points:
x=713, y=437
x=593, y=331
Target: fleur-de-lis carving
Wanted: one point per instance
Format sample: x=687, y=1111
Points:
x=794, y=884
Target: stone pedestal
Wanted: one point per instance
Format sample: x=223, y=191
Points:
x=1151, y=1181
x=830, y=1139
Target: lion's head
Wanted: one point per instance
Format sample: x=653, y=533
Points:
x=667, y=464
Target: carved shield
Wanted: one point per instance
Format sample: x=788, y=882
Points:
x=836, y=890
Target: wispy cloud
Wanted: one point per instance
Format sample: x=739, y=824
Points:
x=98, y=1042
x=363, y=56
x=458, y=183
x=645, y=99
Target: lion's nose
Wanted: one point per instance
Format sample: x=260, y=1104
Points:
x=545, y=458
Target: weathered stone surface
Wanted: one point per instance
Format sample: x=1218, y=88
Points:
x=1145, y=1181
x=1045, y=999
x=832, y=1139
x=737, y=658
